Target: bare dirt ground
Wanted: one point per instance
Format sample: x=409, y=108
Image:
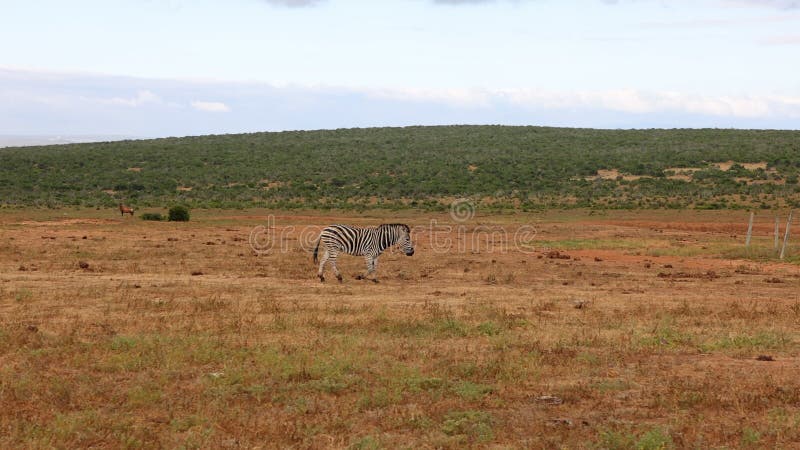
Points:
x=554, y=330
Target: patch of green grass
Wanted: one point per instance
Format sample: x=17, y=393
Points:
x=653, y=439
x=442, y=323
x=144, y=395
x=462, y=370
x=17, y=385
x=666, y=335
x=599, y=244
x=471, y=391
x=607, y=385
x=760, y=250
x=74, y=425
x=764, y=340
x=419, y=422
x=23, y=295
x=379, y=398
x=420, y=383
x=183, y=424
x=331, y=385
x=753, y=253
x=196, y=438
x=61, y=391
x=210, y=304
x=300, y=405
x=366, y=443
x=405, y=328
x=616, y=440
x=203, y=351
x=257, y=391
x=520, y=366
x=5, y=339
x=750, y=437
x=123, y=343
x=690, y=399
x=474, y=425
x=588, y=358
x=489, y=329
x=131, y=354
x=451, y=327
x=682, y=251
x=141, y=352
x=152, y=216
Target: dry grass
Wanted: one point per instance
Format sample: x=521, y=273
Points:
x=625, y=344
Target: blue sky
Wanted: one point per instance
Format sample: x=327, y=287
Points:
x=185, y=67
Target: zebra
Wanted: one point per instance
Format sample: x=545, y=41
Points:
x=366, y=242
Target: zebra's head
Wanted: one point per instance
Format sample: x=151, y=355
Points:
x=402, y=233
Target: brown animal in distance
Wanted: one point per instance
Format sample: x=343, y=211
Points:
x=125, y=210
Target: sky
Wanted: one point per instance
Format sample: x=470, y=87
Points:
x=154, y=68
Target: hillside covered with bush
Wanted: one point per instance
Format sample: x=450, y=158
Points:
x=421, y=167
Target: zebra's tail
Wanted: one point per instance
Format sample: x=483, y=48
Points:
x=316, y=250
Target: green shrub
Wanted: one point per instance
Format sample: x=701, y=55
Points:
x=179, y=214
x=152, y=216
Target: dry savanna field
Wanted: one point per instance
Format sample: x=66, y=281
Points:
x=650, y=329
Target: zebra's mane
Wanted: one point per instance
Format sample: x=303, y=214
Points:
x=401, y=225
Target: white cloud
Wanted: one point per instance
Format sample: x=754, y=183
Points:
x=461, y=2
x=708, y=23
x=96, y=104
x=454, y=97
x=630, y=101
x=215, y=107
x=142, y=97
x=780, y=4
x=294, y=3
x=781, y=40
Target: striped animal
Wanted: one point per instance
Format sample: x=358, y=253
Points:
x=366, y=242
x=125, y=210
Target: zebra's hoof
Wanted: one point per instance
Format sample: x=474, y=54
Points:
x=359, y=277
x=321, y=278
x=339, y=277
x=375, y=280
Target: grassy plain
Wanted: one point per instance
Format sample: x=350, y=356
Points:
x=614, y=330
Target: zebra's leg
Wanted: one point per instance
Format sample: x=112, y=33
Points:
x=374, y=269
x=322, y=262
x=367, y=259
x=335, y=269
x=372, y=265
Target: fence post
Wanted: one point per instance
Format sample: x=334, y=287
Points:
x=749, y=229
x=777, y=232
x=786, y=235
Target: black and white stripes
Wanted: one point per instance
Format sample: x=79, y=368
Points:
x=366, y=242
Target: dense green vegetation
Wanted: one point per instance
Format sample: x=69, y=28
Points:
x=152, y=216
x=421, y=167
x=178, y=214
